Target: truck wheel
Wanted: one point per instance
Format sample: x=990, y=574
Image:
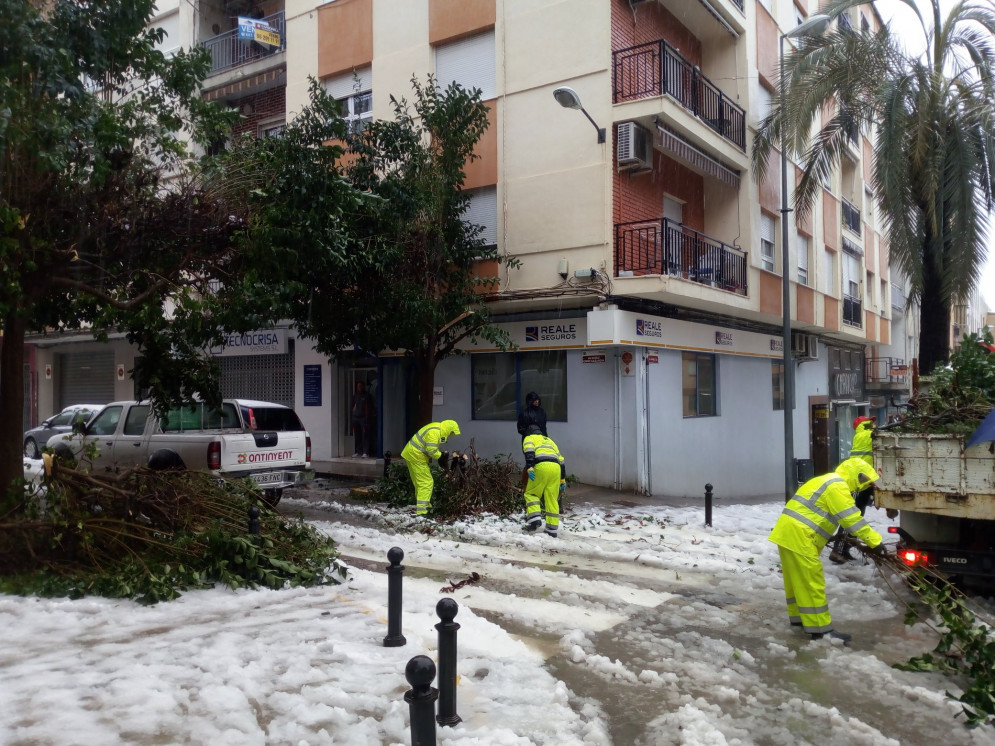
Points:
x=272, y=497
x=164, y=459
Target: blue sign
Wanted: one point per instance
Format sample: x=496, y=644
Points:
x=312, y=385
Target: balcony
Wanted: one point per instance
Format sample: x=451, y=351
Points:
x=886, y=374
x=656, y=69
x=666, y=247
x=851, y=217
x=853, y=313
x=229, y=51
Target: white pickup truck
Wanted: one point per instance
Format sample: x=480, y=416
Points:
x=945, y=495
x=243, y=439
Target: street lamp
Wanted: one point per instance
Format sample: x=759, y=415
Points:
x=812, y=26
x=568, y=98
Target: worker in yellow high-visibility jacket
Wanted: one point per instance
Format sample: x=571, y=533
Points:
x=419, y=453
x=808, y=521
x=547, y=478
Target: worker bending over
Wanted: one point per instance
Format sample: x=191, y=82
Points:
x=418, y=454
x=808, y=521
x=547, y=478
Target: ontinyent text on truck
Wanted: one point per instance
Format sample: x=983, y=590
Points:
x=244, y=438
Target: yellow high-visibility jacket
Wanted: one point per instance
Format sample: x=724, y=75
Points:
x=862, y=445
x=820, y=506
x=541, y=449
x=424, y=445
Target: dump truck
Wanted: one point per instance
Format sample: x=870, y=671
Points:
x=944, y=492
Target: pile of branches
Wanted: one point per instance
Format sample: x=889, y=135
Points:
x=966, y=646
x=468, y=485
x=959, y=396
x=149, y=535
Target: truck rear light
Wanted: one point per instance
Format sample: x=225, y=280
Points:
x=214, y=455
x=252, y=419
x=307, y=448
x=892, y=529
x=913, y=557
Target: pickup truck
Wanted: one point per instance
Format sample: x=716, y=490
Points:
x=250, y=439
x=945, y=495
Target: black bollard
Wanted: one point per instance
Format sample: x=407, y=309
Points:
x=387, y=455
x=446, y=609
x=395, y=574
x=708, y=505
x=254, y=521
x=421, y=700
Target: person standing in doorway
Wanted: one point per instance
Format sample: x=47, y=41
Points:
x=361, y=413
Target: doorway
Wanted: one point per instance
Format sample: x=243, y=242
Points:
x=818, y=407
x=366, y=373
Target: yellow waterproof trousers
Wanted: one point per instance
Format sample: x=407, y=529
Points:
x=545, y=487
x=805, y=591
x=421, y=477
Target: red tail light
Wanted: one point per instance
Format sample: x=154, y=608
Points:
x=214, y=455
x=307, y=448
x=252, y=419
x=913, y=557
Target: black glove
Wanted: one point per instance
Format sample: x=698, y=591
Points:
x=879, y=551
x=444, y=460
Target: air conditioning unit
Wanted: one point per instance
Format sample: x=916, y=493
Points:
x=634, y=147
x=805, y=347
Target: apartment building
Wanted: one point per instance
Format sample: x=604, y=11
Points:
x=647, y=308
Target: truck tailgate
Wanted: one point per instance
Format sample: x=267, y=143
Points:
x=247, y=453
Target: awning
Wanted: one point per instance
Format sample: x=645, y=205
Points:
x=697, y=160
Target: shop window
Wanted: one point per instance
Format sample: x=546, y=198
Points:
x=698, y=385
x=777, y=383
x=501, y=380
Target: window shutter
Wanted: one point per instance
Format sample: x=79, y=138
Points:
x=348, y=84
x=767, y=228
x=482, y=210
x=469, y=62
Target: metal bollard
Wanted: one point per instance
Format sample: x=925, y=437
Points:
x=387, y=456
x=708, y=505
x=254, y=521
x=421, y=700
x=395, y=574
x=446, y=609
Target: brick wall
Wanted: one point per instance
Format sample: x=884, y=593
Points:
x=257, y=108
x=650, y=22
x=639, y=196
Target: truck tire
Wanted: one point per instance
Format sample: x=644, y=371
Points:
x=272, y=497
x=164, y=459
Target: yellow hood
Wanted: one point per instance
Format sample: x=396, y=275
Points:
x=449, y=427
x=857, y=473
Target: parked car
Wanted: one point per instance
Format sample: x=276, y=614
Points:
x=56, y=425
x=261, y=441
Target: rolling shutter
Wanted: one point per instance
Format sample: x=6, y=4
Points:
x=263, y=377
x=85, y=378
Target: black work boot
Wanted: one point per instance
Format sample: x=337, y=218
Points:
x=833, y=635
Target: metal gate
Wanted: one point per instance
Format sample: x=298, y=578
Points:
x=264, y=377
x=85, y=378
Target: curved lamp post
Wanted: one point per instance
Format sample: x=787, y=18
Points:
x=568, y=98
x=812, y=26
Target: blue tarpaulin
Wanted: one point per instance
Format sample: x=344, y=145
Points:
x=985, y=431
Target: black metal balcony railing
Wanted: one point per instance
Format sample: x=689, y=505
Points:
x=228, y=51
x=666, y=247
x=851, y=217
x=886, y=370
x=657, y=68
x=852, y=311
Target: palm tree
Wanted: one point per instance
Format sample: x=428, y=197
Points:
x=934, y=152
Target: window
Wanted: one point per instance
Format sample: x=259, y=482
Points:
x=777, y=383
x=482, y=211
x=105, y=422
x=767, y=242
x=884, y=295
x=469, y=62
x=272, y=128
x=851, y=275
x=872, y=286
x=802, y=260
x=764, y=103
x=698, y=384
x=501, y=380
x=829, y=286
x=673, y=209
x=354, y=91
x=134, y=422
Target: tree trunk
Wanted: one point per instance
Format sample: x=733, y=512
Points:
x=425, y=376
x=11, y=410
x=934, y=323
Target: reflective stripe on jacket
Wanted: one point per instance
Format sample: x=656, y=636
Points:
x=539, y=449
x=811, y=517
x=862, y=443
